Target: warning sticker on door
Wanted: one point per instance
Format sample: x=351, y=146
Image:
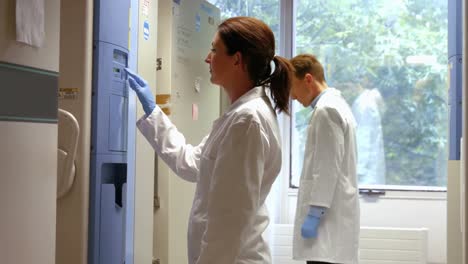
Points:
x=68, y=93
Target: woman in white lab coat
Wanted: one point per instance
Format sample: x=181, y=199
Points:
x=326, y=228
x=234, y=166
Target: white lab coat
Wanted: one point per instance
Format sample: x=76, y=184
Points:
x=234, y=168
x=329, y=179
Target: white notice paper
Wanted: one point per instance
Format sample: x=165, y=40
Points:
x=30, y=22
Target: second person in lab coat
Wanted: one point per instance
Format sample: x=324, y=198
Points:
x=234, y=166
x=326, y=228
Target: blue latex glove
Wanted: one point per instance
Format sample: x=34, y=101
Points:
x=143, y=91
x=312, y=221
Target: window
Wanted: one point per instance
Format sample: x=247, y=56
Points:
x=266, y=10
x=389, y=59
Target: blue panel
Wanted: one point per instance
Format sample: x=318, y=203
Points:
x=455, y=25
x=455, y=45
x=455, y=106
x=105, y=170
x=112, y=227
x=109, y=81
x=118, y=123
x=110, y=238
x=111, y=22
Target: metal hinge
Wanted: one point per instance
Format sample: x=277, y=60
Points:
x=156, y=202
x=158, y=64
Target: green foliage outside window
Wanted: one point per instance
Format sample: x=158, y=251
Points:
x=370, y=44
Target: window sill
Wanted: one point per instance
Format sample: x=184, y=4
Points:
x=398, y=192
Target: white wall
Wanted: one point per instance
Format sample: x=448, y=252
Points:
x=454, y=231
x=401, y=209
x=28, y=169
x=144, y=174
x=11, y=51
x=161, y=215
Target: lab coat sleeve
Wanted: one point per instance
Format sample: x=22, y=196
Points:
x=327, y=128
x=234, y=197
x=169, y=144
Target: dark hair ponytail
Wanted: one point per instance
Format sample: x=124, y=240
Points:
x=280, y=83
x=256, y=42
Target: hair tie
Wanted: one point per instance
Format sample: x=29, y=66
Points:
x=272, y=66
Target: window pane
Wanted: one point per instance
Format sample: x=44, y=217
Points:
x=266, y=10
x=389, y=59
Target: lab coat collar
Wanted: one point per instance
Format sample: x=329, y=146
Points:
x=329, y=90
x=316, y=99
x=255, y=92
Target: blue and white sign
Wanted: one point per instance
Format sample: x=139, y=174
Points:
x=197, y=22
x=146, y=30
